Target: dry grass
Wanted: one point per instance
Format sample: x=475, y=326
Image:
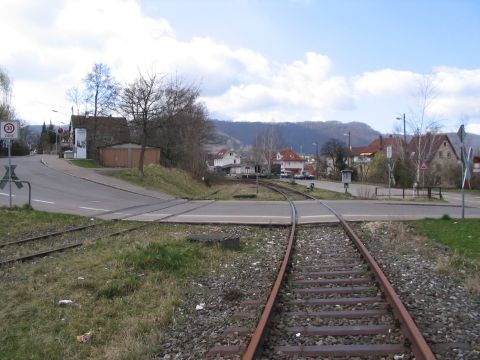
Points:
x=402, y=239
x=124, y=290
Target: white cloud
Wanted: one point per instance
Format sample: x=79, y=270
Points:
x=51, y=48
x=386, y=82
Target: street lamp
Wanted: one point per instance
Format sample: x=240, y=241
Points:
x=349, y=149
x=404, y=153
x=404, y=133
x=317, y=160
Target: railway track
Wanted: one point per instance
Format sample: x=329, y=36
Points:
x=330, y=299
x=32, y=247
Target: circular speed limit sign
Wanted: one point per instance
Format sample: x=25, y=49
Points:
x=9, y=130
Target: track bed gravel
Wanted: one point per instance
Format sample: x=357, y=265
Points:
x=445, y=312
x=219, y=295
x=447, y=315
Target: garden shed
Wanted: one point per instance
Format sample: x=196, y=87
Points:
x=127, y=155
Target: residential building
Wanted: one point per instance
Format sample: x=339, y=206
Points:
x=435, y=157
x=226, y=157
x=289, y=161
x=109, y=130
x=362, y=155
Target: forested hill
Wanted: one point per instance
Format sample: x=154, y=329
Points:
x=299, y=136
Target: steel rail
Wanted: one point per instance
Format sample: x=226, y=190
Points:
x=66, y=247
x=59, y=249
x=43, y=236
x=419, y=346
x=254, y=346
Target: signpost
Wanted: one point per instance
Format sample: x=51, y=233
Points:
x=461, y=134
x=391, y=178
x=9, y=131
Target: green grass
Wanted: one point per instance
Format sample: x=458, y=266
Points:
x=462, y=236
x=179, y=183
x=86, y=163
x=18, y=222
x=125, y=290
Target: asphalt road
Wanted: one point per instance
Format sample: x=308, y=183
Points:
x=83, y=192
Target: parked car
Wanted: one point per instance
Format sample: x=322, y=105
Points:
x=286, y=174
x=304, y=176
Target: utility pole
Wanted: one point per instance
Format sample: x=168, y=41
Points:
x=404, y=155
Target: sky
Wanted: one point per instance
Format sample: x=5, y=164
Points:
x=256, y=60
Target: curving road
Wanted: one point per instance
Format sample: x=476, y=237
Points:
x=58, y=186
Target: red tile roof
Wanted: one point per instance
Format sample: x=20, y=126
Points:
x=289, y=155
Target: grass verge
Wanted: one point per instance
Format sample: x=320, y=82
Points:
x=124, y=291
x=452, y=245
x=179, y=183
x=16, y=222
x=86, y=163
x=462, y=236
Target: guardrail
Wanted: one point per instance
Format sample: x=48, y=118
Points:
x=432, y=192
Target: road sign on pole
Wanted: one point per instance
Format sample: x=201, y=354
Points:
x=9, y=130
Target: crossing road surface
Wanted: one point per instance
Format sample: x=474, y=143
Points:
x=89, y=193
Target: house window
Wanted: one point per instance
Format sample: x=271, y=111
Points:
x=448, y=155
x=444, y=143
x=440, y=154
x=234, y=161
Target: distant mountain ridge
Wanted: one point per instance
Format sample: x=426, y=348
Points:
x=299, y=136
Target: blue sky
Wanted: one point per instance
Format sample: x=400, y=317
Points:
x=283, y=60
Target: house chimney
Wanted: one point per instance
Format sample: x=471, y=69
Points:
x=381, y=141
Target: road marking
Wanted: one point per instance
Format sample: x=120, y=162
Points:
x=6, y=194
x=315, y=216
x=89, y=208
x=236, y=216
x=44, y=201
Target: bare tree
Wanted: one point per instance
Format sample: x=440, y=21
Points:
x=101, y=95
x=164, y=112
x=334, y=149
x=6, y=110
x=422, y=124
x=266, y=144
x=142, y=103
x=74, y=95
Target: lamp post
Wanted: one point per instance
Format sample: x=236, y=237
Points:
x=349, y=149
x=317, y=160
x=404, y=153
x=404, y=133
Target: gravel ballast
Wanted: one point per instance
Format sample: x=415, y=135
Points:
x=445, y=312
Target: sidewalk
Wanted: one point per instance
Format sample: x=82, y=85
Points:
x=96, y=176
x=366, y=190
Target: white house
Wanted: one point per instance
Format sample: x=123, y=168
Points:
x=226, y=157
x=289, y=161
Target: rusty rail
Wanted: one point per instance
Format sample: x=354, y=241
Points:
x=419, y=346
x=257, y=337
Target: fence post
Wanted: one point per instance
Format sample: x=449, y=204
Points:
x=440, y=193
x=376, y=191
x=429, y=192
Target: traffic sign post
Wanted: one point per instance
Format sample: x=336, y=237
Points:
x=465, y=164
x=9, y=131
